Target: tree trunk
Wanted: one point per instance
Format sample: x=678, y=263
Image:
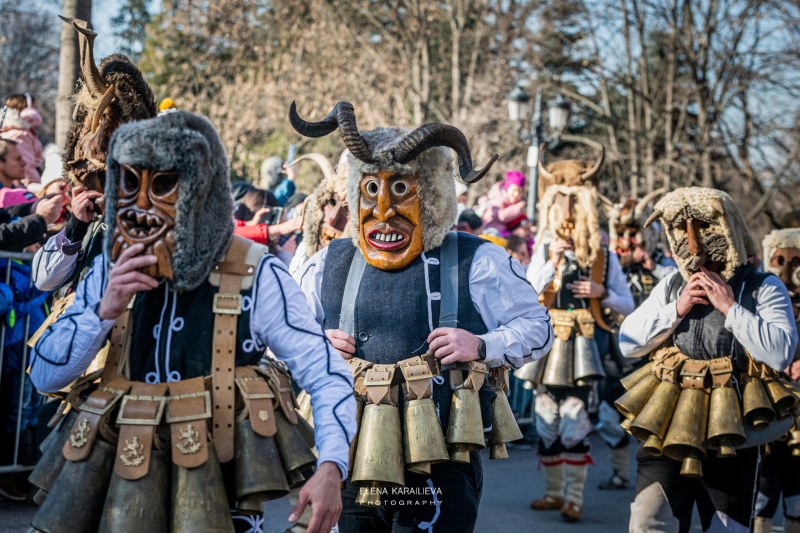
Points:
x=68, y=65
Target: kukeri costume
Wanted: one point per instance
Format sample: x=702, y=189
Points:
x=400, y=276
x=191, y=351
x=568, y=209
x=113, y=94
x=705, y=362
x=779, y=474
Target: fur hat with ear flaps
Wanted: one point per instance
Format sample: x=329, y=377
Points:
x=422, y=151
x=722, y=217
x=187, y=143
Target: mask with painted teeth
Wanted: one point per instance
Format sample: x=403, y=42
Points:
x=146, y=210
x=390, y=227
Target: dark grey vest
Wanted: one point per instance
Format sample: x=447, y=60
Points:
x=702, y=334
x=570, y=273
x=394, y=314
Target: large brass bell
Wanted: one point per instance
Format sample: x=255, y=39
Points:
x=632, y=402
x=794, y=437
x=52, y=461
x=465, y=427
x=783, y=401
x=76, y=499
x=199, y=502
x=685, y=440
x=725, y=424
x=758, y=411
x=532, y=372
x=637, y=375
x=379, y=456
x=259, y=474
x=504, y=427
x=587, y=366
x=651, y=424
x=558, y=371
x=354, y=444
x=296, y=456
x=130, y=504
x=423, y=441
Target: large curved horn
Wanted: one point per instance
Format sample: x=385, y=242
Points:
x=543, y=171
x=342, y=116
x=652, y=218
x=91, y=76
x=644, y=202
x=432, y=135
x=105, y=101
x=321, y=161
x=597, y=164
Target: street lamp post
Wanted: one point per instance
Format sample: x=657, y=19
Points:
x=558, y=117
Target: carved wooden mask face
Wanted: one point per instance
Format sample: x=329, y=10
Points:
x=785, y=263
x=146, y=210
x=334, y=221
x=390, y=225
x=566, y=204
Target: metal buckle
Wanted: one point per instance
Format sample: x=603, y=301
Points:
x=117, y=395
x=162, y=403
x=379, y=377
x=236, y=298
x=187, y=418
x=247, y=395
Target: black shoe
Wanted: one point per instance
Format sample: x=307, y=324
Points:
x=615, y=482
x=9, y=490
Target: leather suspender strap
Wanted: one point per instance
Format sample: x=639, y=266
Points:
x=347, y=315
x=227, y=308
x=258, y=399
x=139, y=415
x=448, y=271
x=188, y=407
x=93, y=413
x=119, y=344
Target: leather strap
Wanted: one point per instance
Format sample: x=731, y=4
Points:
x=585, y=322
x=139, y=415
x=357, y=367
x=281, y=385
x=188, y=407
x=227, y=308
x=499, y=379
x=448, y=269
x=418, y=378
x=598, y=275
x=477, y=375
x=258, y=400
x=563, y=323
x=693, y=374
x=721, y=370
x=347, y=315
x=94, y=413
x=119, y=345
x=379, y=382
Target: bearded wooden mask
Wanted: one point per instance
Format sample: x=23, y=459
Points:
x=390, y=227
x=146, y=210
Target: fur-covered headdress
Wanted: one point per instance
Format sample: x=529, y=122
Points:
x=107, y=97
x=187, y=143
x=422, y=151
x=725, y=238
x=631, y=214
x=779, y=238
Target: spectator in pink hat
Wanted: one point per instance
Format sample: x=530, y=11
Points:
x=506, y=207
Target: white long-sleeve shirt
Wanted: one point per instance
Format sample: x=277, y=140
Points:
x=769, y=334
x=279, y=319
x=54, y=262
x=519, y=327
x=541, y=272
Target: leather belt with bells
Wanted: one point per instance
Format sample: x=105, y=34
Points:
x=139, y=415
x=259, y=401
x=418, y=378
x=188, y=407
x=379, y=382
x=94, y=412
x=693, y=374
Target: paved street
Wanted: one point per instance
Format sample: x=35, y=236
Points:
x=509, y=486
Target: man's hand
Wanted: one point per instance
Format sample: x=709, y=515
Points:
x=718, y=292
x=587, y=289
x=50, y=208
x=322, y=492
x=342, y=341
x=641, y=256
x=258, y=217
x=556, y=250
x=125, y=280
x=453, y=345
x=693, y=294
x=82, y=204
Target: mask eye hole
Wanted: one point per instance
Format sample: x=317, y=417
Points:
x=130, y=181
x=399, y=188
x=165, y=183
x=780, y=260
x=371, y=188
